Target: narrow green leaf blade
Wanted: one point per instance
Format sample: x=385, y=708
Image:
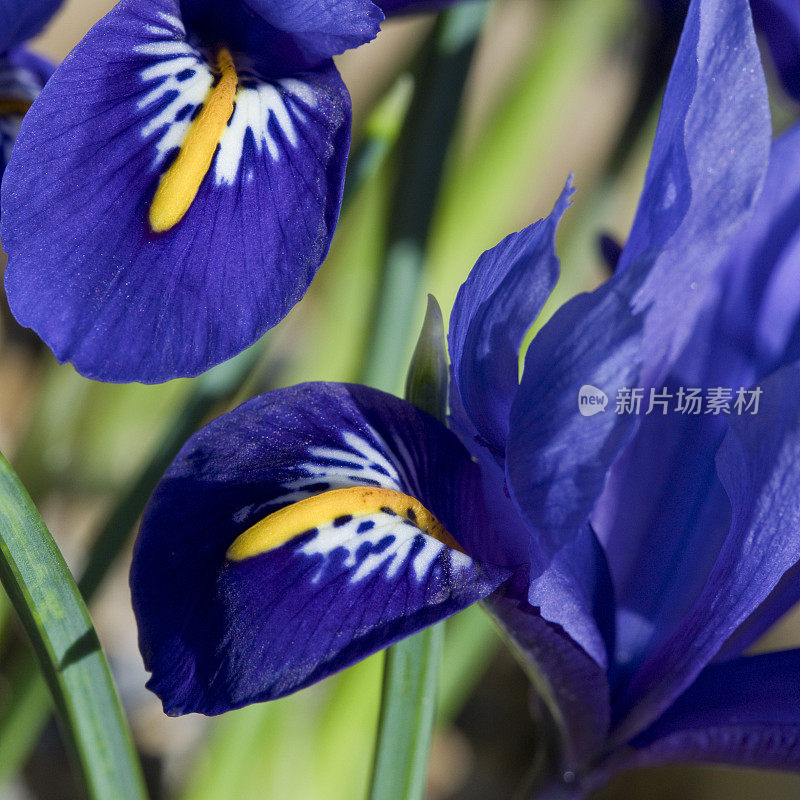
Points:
x=55, y=617
x=408, y=707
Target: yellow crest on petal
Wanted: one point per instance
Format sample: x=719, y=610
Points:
x=180, y=184
x=336, y=508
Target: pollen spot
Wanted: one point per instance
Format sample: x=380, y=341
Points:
x=338, y=508
x=180, y=184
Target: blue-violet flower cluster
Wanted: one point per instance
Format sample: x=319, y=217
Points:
x=630, y=560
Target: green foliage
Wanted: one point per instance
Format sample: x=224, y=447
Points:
x=50, y=606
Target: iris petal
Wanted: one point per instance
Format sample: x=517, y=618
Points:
x=705, y=173
x=757, y=466
x=574, y=685
x=325, y=27
x=22, y=76
x=744, y=713
x=557, y=458
x=494, y=309
x=87, y=272
x=220, y=632
x=21, y=20
x=663, y=519
x=780, y=22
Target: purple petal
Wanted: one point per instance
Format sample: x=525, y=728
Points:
x=610, y=250
x=218, y=634
x=704, y=176
x=757, y=466
x=663, y=520
x=495, y=307
x=325, y=27
x=759, y=296
x=574, y=686
x=573, y=589
x=558, y=458
x=779, y=20
x=22, y=76
x=21, y=20
x=87, y=272
x=779, y=602
x=509, y=543
x=745, y=713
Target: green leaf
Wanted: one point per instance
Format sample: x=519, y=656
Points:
x=408, y=707
x=55, y=617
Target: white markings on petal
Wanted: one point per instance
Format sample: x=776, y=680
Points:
x=182, y=76
x=379, y=541
x=265, y=112
x=358, y=463
x=255, y=107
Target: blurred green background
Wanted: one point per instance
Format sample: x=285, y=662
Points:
x=550, y=90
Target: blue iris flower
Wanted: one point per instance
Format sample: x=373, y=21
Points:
x=22, y=74
x=631, y=559
x=175, y=188
x=777, y=20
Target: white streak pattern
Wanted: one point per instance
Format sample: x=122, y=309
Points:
x=282, y=101
x=391, y=558
x=361, y=462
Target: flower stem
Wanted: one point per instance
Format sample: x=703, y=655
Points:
x=405, y=727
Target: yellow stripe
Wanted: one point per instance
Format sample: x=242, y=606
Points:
x=179, y=185
x=328, y=507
